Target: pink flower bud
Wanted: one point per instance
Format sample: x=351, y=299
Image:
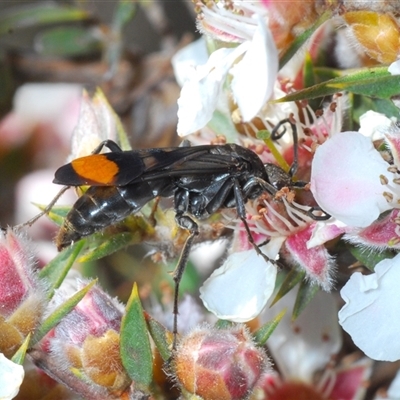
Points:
x=21, y=293
x=219, y=364
x=83, y=349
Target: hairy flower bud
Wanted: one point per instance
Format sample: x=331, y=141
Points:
x=83, y=349
x=219, y=364
x=21, y=294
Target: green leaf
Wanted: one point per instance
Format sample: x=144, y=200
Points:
x=19, y=356
x=60, y=312
x=162, y=337
x=56, y=270
x=135, y=348
x=291, y=280
x=122, y=136
x=308, y=71
x=373, y=82
x=262, y=334
x=301, y=39
x=369, y=257
x=124, y=12
x=68, y=41
x=305, y=294
x=362, y=104
x=38, y=14
x=100, y=245
x=56, y=214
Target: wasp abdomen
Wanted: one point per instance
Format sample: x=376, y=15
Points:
x=102, y=206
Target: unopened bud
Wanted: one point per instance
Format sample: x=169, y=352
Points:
x=83, y=349
x=22, y=296
x=219, y=364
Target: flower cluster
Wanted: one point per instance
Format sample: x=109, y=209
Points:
x=325, y=196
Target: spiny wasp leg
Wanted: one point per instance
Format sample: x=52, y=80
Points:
x=187, y=223
x=241, y=210
x=315, y=217
x=109, y=144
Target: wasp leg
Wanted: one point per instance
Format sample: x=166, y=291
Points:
x=240, y=206
x=46, y=210
x=110, y=144
x=184, y=222
x=323, y=217
x=256, y=181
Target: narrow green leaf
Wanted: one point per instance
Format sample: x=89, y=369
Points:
x=362, y=104
x=374, y=82
x=57, y=213
x=38, y=14
x=56, y=270
x=67, y=41
x=135, y=348
x=100, y=245
x=121, y=133
x=301, y=39
x=162, y=337
x=291, y=280
x=308, y=71
x=60, y=312
x=305, y=294
x=369, y=257
x=262, y=334
x=124, y=12
x=19, y=356
x=266, y=137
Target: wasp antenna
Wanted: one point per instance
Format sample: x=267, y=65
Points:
x=46, y=210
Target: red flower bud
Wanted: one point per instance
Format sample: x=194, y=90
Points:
x=219, y=364
x=83, y=349
x=22, y=296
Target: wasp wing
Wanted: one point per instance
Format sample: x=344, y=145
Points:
x=123, y=168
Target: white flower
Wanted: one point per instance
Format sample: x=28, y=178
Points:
x=373, y=124
x=254, y=67
x=394, y=68
x=371, y=312
x=350, y=180
x=302, y=347
x=11, y=377
x=240, y=288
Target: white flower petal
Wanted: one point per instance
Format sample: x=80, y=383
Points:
x=255, y=75
x=185, y=60
x=240, y=288
x=345, y=179
x=11, y=377
x=373, y=124
x=302, y=347
x=200, y=92
x=325, y=231
x=371, y=312
x=394, y=68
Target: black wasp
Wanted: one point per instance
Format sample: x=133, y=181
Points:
x=201, y=180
